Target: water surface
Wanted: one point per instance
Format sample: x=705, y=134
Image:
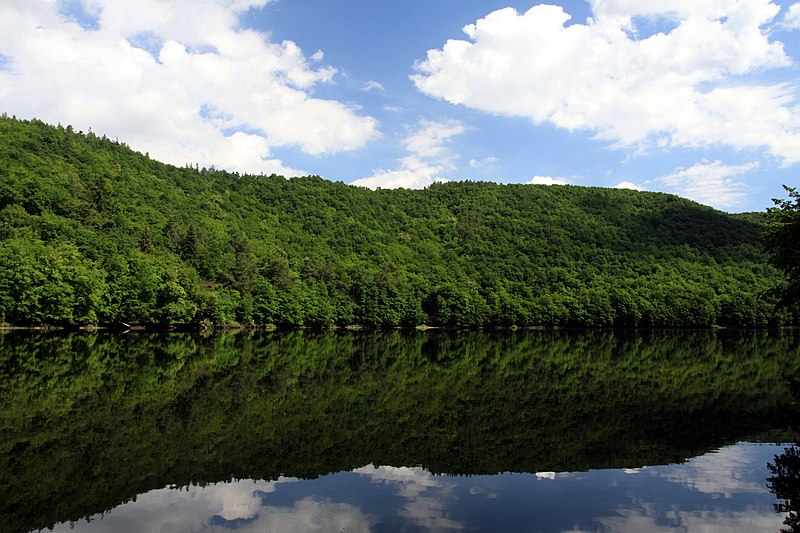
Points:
x=400, y=431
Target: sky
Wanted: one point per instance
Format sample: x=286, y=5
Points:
x=697, y=98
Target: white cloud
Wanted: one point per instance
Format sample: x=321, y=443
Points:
x=629, y=185
x=791, y=21
x=715, y=184
x=429, y=158
x=179, y=79
x=674, y=8
x=692, y=86
x=478, y=163
x=547, y=180
x=372, y=85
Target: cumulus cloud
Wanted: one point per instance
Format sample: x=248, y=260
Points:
x=711, y=183
x=691, y=86
x=791, y=21
x=181, y=80
x=547, y=180
x=428, y=160
x=629, y=185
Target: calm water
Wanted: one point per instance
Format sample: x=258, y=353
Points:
x=352, y=431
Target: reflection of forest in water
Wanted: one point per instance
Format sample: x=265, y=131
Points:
x=92, y=420
x=784, y=480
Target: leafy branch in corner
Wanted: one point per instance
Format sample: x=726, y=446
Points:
x=782, y=237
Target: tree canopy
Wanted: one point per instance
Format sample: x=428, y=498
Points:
x=94, y=232
x=783, y=241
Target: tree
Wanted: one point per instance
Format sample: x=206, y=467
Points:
x=782, y=237
x=92, y=232
x=785, y=484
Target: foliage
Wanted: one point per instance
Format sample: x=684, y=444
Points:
x=785, y=484
x=93, y=232
x=783, y=242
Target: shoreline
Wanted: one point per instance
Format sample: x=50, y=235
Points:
x=199, y=328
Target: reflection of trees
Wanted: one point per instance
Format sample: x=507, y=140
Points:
x=785, y=479
x=90, y=421
x=785, y=484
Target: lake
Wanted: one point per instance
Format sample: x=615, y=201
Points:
x=399, y=431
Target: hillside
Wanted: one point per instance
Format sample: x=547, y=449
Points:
x=93, y=232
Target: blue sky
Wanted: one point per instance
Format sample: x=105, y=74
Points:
x=692, y=97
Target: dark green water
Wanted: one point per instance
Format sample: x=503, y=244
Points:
x=400, y=431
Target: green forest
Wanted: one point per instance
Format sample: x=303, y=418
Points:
x=92, y=232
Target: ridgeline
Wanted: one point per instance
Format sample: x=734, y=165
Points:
x=92, y=232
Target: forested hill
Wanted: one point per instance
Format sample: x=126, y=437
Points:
x=93, y=232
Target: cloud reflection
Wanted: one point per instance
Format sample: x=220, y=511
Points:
x=719, y=491
x=427, y=496
x=725, y=472
x=239, y=505
x=652, y=521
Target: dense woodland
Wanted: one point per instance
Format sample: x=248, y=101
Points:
x=92, y=232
